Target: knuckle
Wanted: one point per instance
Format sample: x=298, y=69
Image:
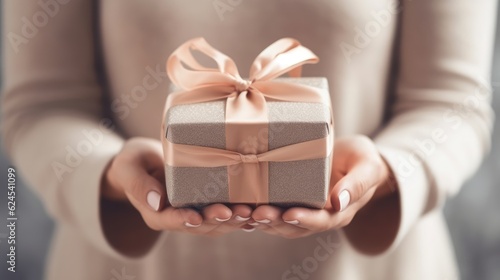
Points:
x=361, y=188
x=134, y=184
x=133, y=188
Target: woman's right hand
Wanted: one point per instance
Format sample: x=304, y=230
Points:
x=137, y=173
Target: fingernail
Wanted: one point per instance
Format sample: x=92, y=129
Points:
x=191, y=225
x=292, y=222
x=241, y=219
x=248, y=229
x=254, y=224
x=153, y=199
x=344, y=199
x=264, y=221
x=222, y=220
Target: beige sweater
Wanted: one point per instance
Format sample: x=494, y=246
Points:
x=415, y=79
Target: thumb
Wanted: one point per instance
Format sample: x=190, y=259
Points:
x=143, y=186
x=359, y=180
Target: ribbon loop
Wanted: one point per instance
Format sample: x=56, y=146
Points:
x=187, y=73
x=283, y=56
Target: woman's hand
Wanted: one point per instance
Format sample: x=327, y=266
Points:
x=358, y=172
x=136, y=174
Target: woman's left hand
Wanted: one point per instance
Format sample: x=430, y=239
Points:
x=358, y=172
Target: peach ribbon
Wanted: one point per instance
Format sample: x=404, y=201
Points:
x=246, y=155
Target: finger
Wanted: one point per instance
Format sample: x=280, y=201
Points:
x=216, y=214
x=267, y=214
x=316, y=220
x=217, y=221
x=241, y=214
x=179, y=219
x=355, y=184
x=269, y=220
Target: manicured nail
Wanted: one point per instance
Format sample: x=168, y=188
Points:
x=254, y=224
x=191, y=225
x=264, y=221
x=344, y=199
x=222, y=220
x=153, y=199
x=292, y=222
x=241, y=219
x=248, y=229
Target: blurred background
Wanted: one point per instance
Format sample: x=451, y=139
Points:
x=472, y=216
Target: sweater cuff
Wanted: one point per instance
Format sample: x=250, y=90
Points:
x=114, y=227
x=383, y=223
x=84, y=193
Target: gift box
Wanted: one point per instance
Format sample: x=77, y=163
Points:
x=264, y=140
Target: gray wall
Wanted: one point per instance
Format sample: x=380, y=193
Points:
x=473, y=216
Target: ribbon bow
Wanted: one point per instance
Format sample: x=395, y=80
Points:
x=246, y=112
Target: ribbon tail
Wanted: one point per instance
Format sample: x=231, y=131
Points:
x=181, y=155
x=247, y=133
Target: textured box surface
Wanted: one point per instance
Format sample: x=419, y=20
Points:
x=294, y=183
